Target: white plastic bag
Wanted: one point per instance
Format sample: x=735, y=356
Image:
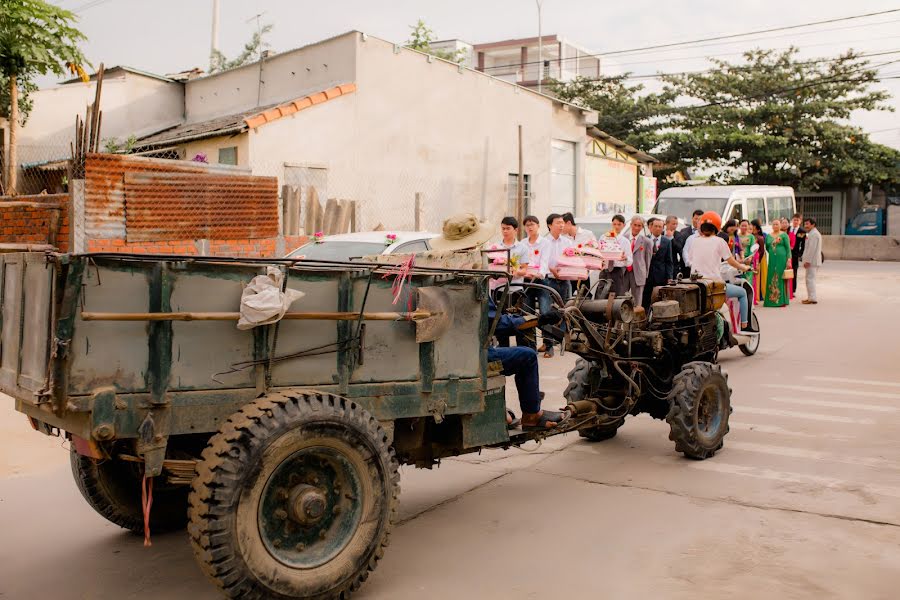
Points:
x=263, y=302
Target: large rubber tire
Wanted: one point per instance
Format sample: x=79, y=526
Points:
x=699, y=407
x=251, y=471
x=750, y=349
x=113, y=489
x=578, y=389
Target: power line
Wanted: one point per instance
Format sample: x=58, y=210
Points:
x=88, y=5
x=710, y=39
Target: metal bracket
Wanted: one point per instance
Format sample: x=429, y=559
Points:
x=437, y=408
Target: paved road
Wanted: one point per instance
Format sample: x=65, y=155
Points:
x=803, y=501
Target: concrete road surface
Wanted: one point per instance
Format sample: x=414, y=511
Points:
x=803, y=501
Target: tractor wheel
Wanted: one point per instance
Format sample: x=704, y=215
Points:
x=579, y=389
x=113, y=489
x=750, y=348
x=294, y=498
x=699, y=407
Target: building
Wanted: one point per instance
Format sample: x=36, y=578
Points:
x=519, y=60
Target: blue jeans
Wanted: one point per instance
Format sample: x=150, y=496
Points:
x=736, y=291
x=522, y=363
x=564, y=287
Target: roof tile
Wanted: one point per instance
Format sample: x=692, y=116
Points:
x=318, y=98
x=255, y=121
x=301, y=103
x=332, y=92
x=347, y=88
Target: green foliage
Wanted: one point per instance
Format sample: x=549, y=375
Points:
x=115, y=146
x=251, y=52
x=36, y=38
x=421, y=38
x=777, y=120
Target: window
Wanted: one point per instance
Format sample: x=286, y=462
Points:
x=512, y=192
x=756, y=209
x=736, y=213
x=411, y=247
x=780, y=206
x=562, y=177
x=228, y=156
x=682, y=207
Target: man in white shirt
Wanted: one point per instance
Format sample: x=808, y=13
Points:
x=578, y=235
x=555, y=243
x=509, y=231
x=616, y=268
x=812, y=259
x=535, y=248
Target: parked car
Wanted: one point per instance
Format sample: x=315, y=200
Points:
x=344, y=246
x=763, y=202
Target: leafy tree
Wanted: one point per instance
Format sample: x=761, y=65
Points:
x=26, y=88
x=777, y=120
x=251, y=52
x=36, y=38
x=421, y=39
x=624, y=110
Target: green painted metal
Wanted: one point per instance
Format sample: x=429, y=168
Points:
x=488, y=426
x=67, y=313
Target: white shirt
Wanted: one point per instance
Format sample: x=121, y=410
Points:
x=625, y=245
x=536, y=254
x=582, y=236
x=517, y=250
x=688, y=244
x=555, y=248
x=707, y=254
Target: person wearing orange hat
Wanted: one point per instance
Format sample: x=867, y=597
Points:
x=705, y=255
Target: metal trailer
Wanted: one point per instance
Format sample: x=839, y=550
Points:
x=278, y=446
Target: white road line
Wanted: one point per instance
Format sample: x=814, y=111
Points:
x=865, y=461
x=832, y=483
x=775, y=412
x=836, y=404
x=856, y=381
x=782, y=431
x=825, y=390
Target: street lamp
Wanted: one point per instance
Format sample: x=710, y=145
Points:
x=540, y=47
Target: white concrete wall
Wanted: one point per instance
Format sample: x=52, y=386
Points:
x=279, y=78
x=429, y=127
x=132, y=105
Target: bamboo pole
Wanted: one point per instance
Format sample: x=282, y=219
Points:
x=416, y=315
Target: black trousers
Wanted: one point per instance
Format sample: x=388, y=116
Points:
x=795, y=264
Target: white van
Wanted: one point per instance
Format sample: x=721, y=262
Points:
x=763, y=202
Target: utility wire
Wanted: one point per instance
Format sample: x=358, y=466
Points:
x=710, y=39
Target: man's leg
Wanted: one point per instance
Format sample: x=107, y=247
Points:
x=647, y=296
x=811, y=284
x=795, y=265
x=639, y=296
x=521, y=363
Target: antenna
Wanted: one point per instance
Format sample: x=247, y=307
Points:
x=258, y=33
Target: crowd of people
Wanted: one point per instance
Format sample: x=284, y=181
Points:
x=656, y=251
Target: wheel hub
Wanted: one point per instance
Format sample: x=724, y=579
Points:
x=306, y=504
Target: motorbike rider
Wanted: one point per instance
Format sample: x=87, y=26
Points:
x=707, y=252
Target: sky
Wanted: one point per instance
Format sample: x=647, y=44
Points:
x=166, y=36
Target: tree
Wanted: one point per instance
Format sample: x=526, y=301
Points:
x=624, y=111
x=36, y=38
x=777, y=120
x=252, y=51
x=421, y=39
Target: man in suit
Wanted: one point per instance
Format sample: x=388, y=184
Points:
x=800, y=235
x=812, y=258
x=662, y=265
x=641, y=253
x=680, y=240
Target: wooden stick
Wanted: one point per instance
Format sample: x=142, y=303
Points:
x=417, y=315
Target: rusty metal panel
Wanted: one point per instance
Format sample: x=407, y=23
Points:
x=191, y=206
x=36, y=322
x=104, y=190
x=11, y=299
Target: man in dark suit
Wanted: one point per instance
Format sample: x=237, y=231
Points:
x=662, y=265
x=797, y=252
x=680, y=239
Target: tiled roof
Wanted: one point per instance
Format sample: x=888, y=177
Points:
x=242, y=121
x=289, y=108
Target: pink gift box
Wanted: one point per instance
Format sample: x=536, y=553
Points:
x=533, y=271
x=593, y=263
x=571, y=274
x=571, y=261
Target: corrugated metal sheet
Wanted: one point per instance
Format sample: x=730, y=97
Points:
x=192, y=206
x=104, y=190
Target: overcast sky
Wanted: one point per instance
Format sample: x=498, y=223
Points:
x=164, y=36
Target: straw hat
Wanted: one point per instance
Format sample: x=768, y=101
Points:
x=461, y=231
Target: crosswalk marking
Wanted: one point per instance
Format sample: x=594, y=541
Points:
x=833, y=483
x=864, y=461
x=776, y=412
x=836, y=404
x=826, y=390
x=856, y=381
x=782, y=431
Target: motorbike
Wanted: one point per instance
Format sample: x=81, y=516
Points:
x=729, y=314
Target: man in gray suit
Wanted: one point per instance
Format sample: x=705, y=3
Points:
x=642, y=254
x=812, y=258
